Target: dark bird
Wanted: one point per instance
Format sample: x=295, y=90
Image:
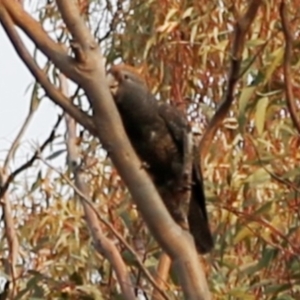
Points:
x=157, y=132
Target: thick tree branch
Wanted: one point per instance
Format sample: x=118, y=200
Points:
x=76, y=26
x=34, y=30
x=287, y=66
x=89, y=202
x=58, y=98
x=241, y=28
x=102, y=244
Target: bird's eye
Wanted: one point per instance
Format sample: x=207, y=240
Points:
x=126, y=77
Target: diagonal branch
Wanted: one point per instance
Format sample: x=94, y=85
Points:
x=54, y=51
x=90, y=203
x=75, y=24
x=56, y=95
x=241, y=28
x=17, y=140
x=102, y=244
x=287, y=65
x=10, y=178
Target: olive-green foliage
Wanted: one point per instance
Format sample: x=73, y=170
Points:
x=251, y=172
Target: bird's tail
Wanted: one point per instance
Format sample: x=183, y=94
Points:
x=198, y=220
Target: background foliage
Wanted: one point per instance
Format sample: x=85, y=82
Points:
x=251, y=172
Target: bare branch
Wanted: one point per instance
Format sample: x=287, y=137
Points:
x=75, y=24
x=287, y=65
x=55, y=52
x=241, y=28
x=57, y=97
x=10, y=234
x=17, y=140
x=162, y=274
x=10, y=178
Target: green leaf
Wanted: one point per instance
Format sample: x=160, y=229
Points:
x=259, y=176
x=245, y=232
x=35, y=100
x=55, y=154
x=241, y=293
x=260, y=114
x=246, y=94
x=276, y=59
x=188, y=12
x=194, y=32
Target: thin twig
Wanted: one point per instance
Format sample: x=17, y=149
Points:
x=17, y=140
x=10, y=231
x=12, y=239
x=33, y=158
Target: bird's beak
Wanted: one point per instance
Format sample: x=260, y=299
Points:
x=112, y=83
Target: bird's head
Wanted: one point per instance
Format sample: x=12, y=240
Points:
x=122, y=79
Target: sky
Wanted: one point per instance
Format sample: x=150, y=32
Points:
x=16, y=85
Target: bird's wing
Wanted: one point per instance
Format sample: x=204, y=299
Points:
x=179, y=129
x=176, y=123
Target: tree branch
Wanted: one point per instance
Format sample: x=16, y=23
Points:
x=89, y=202
x=162, y=274
x=102, y=244
x=10, y=178
x=287, y=65
x=17, y=140
x=11, y=235
x=241, y=28
x=58, y=98
x=54, y=51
